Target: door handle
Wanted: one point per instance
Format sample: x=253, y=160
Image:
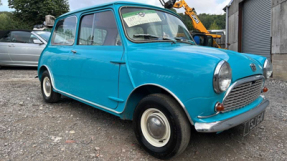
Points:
x=74, y=51
x=11, y=45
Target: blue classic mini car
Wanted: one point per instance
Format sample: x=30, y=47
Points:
x=140, y=63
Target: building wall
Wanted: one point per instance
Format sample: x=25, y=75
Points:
x=233, y=25
x=278, y=34
x=279, y=38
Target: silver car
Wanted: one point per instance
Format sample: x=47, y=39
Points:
x=22, y=48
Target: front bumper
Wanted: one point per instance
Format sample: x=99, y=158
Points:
x=232, y=122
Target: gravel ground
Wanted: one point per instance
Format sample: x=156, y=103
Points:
x=31, y=129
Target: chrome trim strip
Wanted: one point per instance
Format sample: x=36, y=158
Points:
x=216, y=76
x=237, y=83
x=232, y=122
x=106, y=108
x=264, y=68
x=170, y=92
x=205, y=117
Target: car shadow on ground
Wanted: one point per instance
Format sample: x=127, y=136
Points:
x=201, y=146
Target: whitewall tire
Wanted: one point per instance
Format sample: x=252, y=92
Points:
x=161, y=126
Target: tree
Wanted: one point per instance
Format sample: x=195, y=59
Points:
x=173, y=10
x=33, y=12
x=208, y=20
x=8, y=23
x=214, y=26
x=187, y=21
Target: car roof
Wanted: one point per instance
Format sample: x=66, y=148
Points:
x=5, y=32
x=111, y=4
x=223, y=30
x=15, y=30
x=40, y=31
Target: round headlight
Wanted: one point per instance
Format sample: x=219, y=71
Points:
x=268, y=69
x=222, y=77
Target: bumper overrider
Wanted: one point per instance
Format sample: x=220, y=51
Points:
x=231, y=122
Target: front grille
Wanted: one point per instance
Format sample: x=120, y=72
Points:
x=242, y=95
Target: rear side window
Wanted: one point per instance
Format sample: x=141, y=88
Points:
x=64, y=33
x=99, y=29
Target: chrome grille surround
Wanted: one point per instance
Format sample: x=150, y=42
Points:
x=243, y=93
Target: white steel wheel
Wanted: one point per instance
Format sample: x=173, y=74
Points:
x=161, y=126
x=155, y=127
x=47, y=87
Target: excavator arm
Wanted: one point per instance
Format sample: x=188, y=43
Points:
x=197, y=24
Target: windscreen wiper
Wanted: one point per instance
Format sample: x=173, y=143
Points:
x=178, y=39
x=173, y=40
x=145, y=35
x=153, y=36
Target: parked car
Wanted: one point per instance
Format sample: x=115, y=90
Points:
x=22, y=47
x=128, y=59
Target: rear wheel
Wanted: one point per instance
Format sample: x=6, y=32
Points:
x=161, y=126
x=47, y=89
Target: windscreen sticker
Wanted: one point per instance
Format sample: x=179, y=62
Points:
x=141, y=17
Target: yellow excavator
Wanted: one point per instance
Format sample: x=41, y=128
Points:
x=203, y=38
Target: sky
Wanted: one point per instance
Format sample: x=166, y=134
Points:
x=201, y=6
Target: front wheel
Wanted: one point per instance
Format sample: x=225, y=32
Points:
x=161, y=126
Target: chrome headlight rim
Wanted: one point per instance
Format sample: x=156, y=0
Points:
x=216, y=76
x=267, y=68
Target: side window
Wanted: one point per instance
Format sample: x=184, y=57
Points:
x=64, y=33
x=199, y=39
x=99, y=29
x=21, y=37
x=5, y=36
x=86, y=29
x=100, y=36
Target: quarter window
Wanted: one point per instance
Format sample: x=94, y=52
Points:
x=99, y=29
x=65, y=31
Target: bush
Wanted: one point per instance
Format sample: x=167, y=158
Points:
x=9, y=22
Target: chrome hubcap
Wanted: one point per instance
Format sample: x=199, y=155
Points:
x=155, y=127
x=47, y=88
